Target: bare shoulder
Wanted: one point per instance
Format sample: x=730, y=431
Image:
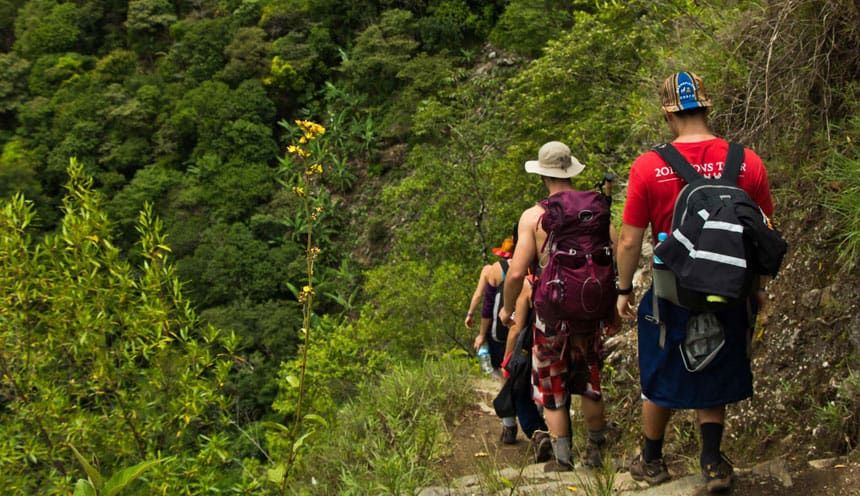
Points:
x=531, y=216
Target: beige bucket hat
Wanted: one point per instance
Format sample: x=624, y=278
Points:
x=555, y=160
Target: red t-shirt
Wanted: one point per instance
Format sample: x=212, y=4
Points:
x=654, y=185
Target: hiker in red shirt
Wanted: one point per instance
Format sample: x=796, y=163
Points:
x=666, y=383
x=564, y=362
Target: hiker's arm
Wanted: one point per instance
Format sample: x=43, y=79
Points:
x=483, y=330
x=629, y=247
x=520, y=322
x=524, y=253
x=613, y=235
x=476, y=297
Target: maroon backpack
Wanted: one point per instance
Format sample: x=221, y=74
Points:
x=576, y=284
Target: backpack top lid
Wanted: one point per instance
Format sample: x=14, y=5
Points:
x=575, y=213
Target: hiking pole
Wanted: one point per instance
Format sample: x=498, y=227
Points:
x=605, y=185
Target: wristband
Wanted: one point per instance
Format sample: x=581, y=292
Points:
x=623, y=292
x=469, y=314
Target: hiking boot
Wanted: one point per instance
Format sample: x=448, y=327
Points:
x=541, y=445
x=593, y=456
x=556, y=465
x=509, y=435
x=719, y=476
x=653, y=472
x=594, y=451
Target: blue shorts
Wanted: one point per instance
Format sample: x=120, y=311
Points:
x=665, y=380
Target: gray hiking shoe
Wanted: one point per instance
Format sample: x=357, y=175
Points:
x=653, y=472
x=509, y=435
x=541, y=446
x=719, y=476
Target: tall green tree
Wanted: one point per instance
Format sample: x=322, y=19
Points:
x=48, y=26
x=380, y=52
x=148, y=25
x=13, y=78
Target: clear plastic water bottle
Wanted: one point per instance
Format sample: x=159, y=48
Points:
x=484, y=359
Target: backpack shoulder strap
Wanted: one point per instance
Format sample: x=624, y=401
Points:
x=734, y=159
x=676, y=161
x=504, y=264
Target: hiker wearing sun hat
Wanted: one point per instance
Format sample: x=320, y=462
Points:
x=566, y=359
x=666, y=383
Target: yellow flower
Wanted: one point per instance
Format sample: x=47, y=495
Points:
x=297, y=150
x=310, y=129
x=299, y=190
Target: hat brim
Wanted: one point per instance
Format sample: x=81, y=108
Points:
x=502, y=253
x=535, y=167
x=680, y=108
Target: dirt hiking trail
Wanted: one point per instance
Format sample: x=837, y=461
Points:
x=480, y=465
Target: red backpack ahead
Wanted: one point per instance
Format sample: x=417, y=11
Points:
x=576, y=284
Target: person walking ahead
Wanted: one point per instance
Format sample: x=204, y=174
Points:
x=492, y=332
x=564, y=362
x=666, y=382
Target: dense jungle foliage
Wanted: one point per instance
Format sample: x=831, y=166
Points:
x=239, y=236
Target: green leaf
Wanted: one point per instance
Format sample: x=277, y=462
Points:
x=126, y=476
x=301, y=440
x=277, y=473
x=92, y=473
x=84, y=488
x=293, y=381
x=312, y=417
x=276, y=426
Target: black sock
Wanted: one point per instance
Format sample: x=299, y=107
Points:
x=712, y=437
x=653, y=449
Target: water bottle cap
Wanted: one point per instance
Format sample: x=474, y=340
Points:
x=662, y=236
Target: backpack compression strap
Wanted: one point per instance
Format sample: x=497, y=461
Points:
x=731, y=168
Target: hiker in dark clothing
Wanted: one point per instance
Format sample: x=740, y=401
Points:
x=495, y=334
x=519, y=343
x=667, y=384
x=557, y=355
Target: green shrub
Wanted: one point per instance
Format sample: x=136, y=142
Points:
x=842, y=179
x=386, y=436
x=106, y=357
